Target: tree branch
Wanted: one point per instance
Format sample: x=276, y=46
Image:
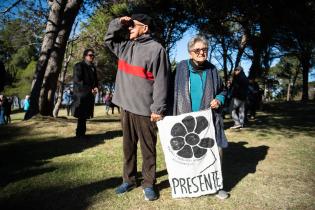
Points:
x=11, y=7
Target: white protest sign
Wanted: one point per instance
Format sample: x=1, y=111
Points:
x=191, y=154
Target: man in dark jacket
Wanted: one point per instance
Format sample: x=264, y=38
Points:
x=253, y=98
x=239, y=96
x=141, y=91
x=85, y=86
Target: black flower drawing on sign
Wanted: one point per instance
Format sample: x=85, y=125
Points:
x=186, y=140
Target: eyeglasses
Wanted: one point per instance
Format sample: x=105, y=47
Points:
x=91, y=55
x=198, y=50
x=133, y=24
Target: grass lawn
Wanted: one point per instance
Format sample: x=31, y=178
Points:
x=269, y=165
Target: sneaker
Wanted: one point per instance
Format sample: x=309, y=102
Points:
x=124, y=187
x=149, y=194
x=221, y=194
x=236, y=127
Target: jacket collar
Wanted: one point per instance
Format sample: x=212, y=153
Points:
x=144, y=38
x=199, y=68
x=87, y=63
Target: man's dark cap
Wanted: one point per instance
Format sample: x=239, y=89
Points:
x=143, y=18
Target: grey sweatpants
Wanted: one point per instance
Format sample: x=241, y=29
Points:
x=238, y=111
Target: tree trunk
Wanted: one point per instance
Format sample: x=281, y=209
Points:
x=60, y=21
x=305, y=61
x=62, y=77
x=59, y=98
x=61, y=85
x=265, y=92
x=241, y=48
x=259, y=45
x=289, y=91
x=294, y=81
x=256, y=61
x=224, y=49
x=53, y=22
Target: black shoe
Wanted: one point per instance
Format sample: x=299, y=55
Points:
x=80, y=136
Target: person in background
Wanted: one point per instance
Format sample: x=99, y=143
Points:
x=197, y=86
x=113, y=106
x=26, y=103
x=141, y=91
x=15, y=102
x=108, y=101
x=254, y=98
x=67, y=96
x=85, y=86
x=7, y=104
x=227, y=102
x=239, y=96
x=2, y=119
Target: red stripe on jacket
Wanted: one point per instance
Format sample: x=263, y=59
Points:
x=134, y=70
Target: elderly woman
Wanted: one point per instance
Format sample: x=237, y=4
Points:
x=198, y=86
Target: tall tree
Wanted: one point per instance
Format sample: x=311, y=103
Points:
x=61, y=18
x=298, y=36
x=18, y=45
x=288, y=71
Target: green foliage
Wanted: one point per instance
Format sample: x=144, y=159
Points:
x=173, y=65
x=92, y=36
x=23, y=56
x=171, y=18
x=118, y=10
x=24, y=81
x=18, y=46
x=16, y=34
x=287, y=71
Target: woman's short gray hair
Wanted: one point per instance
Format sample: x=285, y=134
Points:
x=197, y=38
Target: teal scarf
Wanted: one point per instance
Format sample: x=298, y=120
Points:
x=197, y=81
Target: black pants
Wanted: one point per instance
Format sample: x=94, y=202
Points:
x=81, y=127
x=136, y=127
x=68, y=107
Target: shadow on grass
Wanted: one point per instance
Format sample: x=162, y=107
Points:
x=10, y=132
x=77, y=198
x=163, y=185
x=239, y=161
x=287, y=118
x=105, y=120
x=22, y=160
x=139, y=177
